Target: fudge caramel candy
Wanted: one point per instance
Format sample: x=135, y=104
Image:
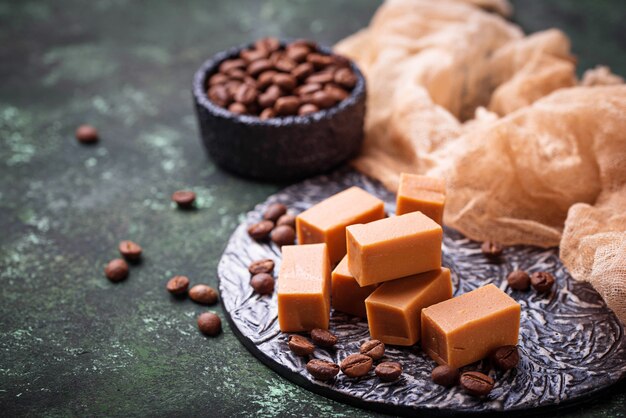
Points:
x=394, y=247
x=393, y=309
x=346, y=294
x=327, y=221
x=467, y=328
x=304, y=288
x=421, y=194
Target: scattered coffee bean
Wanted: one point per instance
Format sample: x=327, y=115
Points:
x=177, y=285
x=209, y=324
x=518, y=280
x=86, y=134
x=261, y=266
x=388, y=371
x=274, y=211
x=287, y=219
x=321, y=369
x=307, y=109
x=323, y=337
x=542, y=281
x=300, y=346
x=476, y=383
x=505, y=357
x=184, y=198
x=373, y=348
x=445, y=375
x=260, y=231
x=262, y=283
x=283, y=235
x=491, y=249
x=203, y=294
x=130, y=251
x=116, y=270
x=356, y=365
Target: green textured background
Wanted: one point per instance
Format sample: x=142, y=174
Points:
x=71, y=342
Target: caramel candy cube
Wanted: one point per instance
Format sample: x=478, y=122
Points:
x=394, y=247
x=327, y=221
x=346, y=294
x=304, y=288
x=467, y=328
x=421, y=194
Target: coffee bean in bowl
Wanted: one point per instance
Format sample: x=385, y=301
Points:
x=282, y=113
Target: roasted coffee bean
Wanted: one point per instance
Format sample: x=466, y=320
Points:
x=261, y=231
x=274, y=211
x=388, y=371
x=86, y=134
x=307, y=109
x=250, y=55
x=265, y=79
x=319, y=60
x=238, y=108
x=303, y=70
x=267, y=113
x=287, y=105
x=116, y=270
x=286, y=82
x=261, y=266
x=262, y=283
x=257, y=67
x=283, y=235
x=491, y=249
x=476, y=383
x=220, y=95
x=268, y=99
x=287, y=219
x=312, y=45
x=373, y=348
x=518, y=280
x=300, y=345
x=322, y=99
x=218, y=78
x=237, y=74
x=203, y=294
x=228, y=65
x=445, y=376
x=322, y=370
x=505, y=357
x=336, y=92
x=209, y=324
x=307, y=89
x=246, y=94
x=356, y=365
x=345, y=77
x=232, y=86
x=297, y=53
x=340, y=60
x=323, y=337
x=285, y=65
x=319, y=78
x=268, y=44
x=184, y=198
x=130, y=250
x=542, y=281
x=177, y=285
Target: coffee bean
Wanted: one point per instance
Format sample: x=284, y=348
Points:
x=231, y=64
x=542, y=281
x=265, y=79
x=388, y=371
x=285, y=65
x=218, y=78
x=312, y=45
x=321, y=369
x=237, y=74
x=287, y=219
x=131, y=251
x=86, y=134
x=261, y=266
x=345, y=77
x=268, y=44
x=246, y=94
x=303, y=70
x=297, y=53
x=220, y=95
x=262, y=283
x=356, y=365
x=274, y=211
x=518, y=280
x=491, y=249
x=287, y=105
x=238, y=108
x=322, y=99
x=203, y=294
x=323, y=337
x=300, y=346
x=267, y=114
x=286, y=82
x=445, y=375
x=261, y=231
x=337, y=93
x=373, y=348
x=250, y=55
x=283, y=235
x=319, y=60
x=505, y=357
x=184, y=198
x=177, y=285
x=209, y=324
x=340, y=60
x=231, y=87
x=268, y=99
x=319, y=78
x=476, y=383
x=308, y=89
x=116, y=270
x=257, y=67
x=307, y=109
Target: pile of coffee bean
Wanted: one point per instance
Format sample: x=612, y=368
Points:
x=271, y=80
x=541, y=281
x=117, y=269
x=277, y=225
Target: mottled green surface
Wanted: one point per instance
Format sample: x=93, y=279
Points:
x=71, y=342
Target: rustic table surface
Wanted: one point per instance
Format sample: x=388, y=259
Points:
x=73, y=343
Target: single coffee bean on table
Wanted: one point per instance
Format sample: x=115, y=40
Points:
x=491, y=249
x=542, y=281
x=87, y=134
x=322, y=370
x=300, y=345
x=130, y=250
x=373, y=348
x=323, y=337
x=203, y=294
x=261, y=266
x=388, y=371
x=356, y=365
x=518, y=280
x=209, y=324
x=476, y=383
x=260, y=231
x=505, y=357
x=184, y=198
x=445, y=375
x=283, y=235
x=262, y=283
x=116, y=270
x=274, y=211
x=177, y=285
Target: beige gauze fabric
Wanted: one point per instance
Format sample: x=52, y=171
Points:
x=530, y=156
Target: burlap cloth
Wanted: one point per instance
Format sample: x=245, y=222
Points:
x=531, y=155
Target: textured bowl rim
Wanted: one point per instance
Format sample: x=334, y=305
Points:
x=210, y=66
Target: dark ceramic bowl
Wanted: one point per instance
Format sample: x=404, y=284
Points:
x=285, y=148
